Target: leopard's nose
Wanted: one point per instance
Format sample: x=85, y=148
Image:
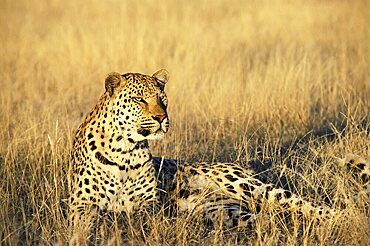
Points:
x=160, y=117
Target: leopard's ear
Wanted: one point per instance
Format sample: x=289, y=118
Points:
x=162, y=75
x=112, y=82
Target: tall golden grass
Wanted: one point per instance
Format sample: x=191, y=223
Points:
x=281, y=83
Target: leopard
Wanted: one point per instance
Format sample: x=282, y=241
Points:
x=358, y=168
x=230, y=195
x=112, y=168
x=111, y=163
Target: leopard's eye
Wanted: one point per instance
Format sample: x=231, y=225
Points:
x=163, y=98
x=139, y=100
x=164, y=101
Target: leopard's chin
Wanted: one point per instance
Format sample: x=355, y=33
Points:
x=150, y=134
x=157, y=135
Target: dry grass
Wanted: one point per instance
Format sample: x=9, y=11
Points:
x=282, y=83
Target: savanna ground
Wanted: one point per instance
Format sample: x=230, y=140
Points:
x=282, y=86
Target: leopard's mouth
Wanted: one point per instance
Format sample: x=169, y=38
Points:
x=165, y=125
x=150, y=133
x=144, y=132
x=151, y=130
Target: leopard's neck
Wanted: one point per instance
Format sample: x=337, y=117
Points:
x=111, y=146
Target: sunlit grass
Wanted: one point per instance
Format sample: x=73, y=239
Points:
x=280, y=83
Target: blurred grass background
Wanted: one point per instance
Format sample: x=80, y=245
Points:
x=281, y=83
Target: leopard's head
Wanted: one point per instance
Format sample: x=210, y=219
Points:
x=138, y=104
